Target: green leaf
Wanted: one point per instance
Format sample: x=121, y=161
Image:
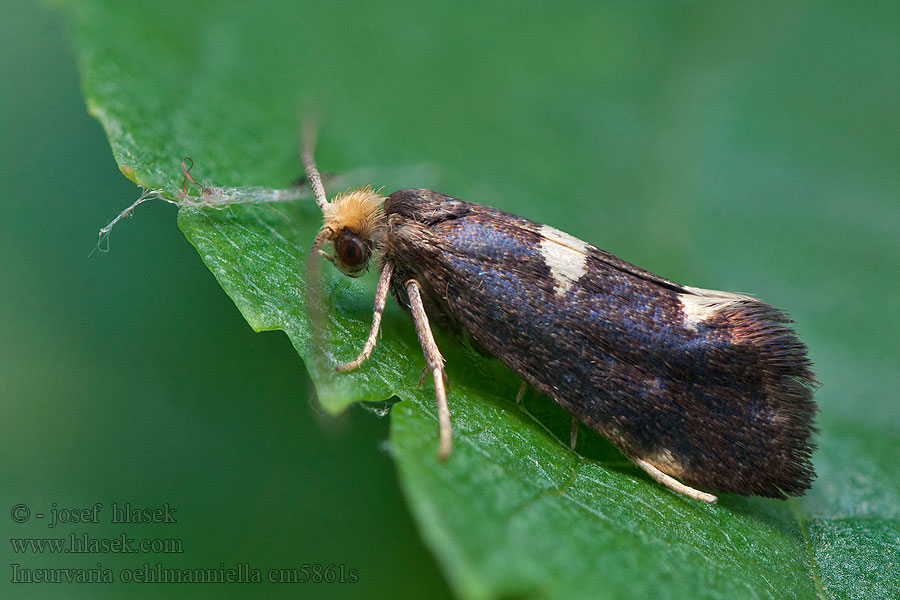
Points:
x=703, y=143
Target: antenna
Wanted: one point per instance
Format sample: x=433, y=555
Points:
x=312, y=173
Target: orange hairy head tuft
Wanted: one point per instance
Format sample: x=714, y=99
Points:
x=357, y=210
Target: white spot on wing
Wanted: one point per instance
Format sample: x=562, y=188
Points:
x=700, y=304
x=565, y=255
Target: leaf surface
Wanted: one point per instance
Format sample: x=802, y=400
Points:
x=667, y=137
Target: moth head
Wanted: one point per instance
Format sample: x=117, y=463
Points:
x=354, y=224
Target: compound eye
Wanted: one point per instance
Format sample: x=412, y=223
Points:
x=350, y=250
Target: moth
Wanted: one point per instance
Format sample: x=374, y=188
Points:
x=699, y=388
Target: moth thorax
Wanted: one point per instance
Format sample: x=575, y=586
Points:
x=355, y=224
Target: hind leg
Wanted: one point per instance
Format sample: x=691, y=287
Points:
x=673, y=484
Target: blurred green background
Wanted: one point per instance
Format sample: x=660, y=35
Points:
x=688, y=141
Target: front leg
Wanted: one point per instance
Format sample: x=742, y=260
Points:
x=381, y=294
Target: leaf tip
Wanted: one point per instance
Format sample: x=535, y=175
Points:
x=129, y=173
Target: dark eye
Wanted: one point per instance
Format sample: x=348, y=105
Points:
x=350, y=250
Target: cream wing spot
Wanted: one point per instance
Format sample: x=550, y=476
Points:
x=699, y=304
x=565, y=255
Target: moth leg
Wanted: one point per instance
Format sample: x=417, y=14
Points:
x=435, y=363
x=381, y=294
x=673, y=484
x=521, y=393
x=573, y=435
